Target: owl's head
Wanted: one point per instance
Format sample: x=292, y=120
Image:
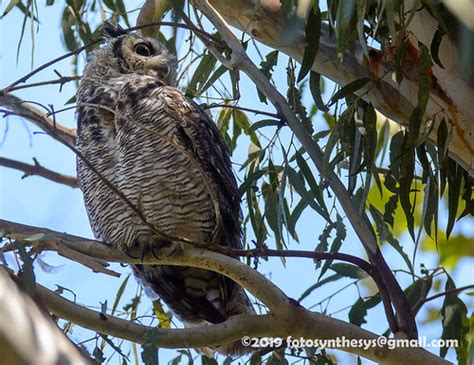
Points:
x=130, y=53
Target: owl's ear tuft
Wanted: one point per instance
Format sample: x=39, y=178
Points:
x=110, y=30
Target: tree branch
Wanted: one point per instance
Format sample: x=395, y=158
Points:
x=303, y=323
x=38, y=170
x=448, y=292
x=240, y=60
x=180, y=254
x=75, y=248
x=286, y=318
x=37, y=117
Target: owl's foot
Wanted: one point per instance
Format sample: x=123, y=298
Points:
x=144, y=247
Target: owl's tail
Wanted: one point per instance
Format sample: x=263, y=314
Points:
x=198, y=298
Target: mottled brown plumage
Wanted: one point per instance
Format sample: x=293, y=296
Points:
x=168, y=158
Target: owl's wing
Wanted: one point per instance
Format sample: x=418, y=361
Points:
x=202, y=136
x=198, y=137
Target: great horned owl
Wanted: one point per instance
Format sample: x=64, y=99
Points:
x=166, y=156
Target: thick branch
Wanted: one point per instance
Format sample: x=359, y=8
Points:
x=39, y=118
x=285, y=319
x=77, y=249
x=22, y=325
x=174, y=254
x=38, y=170
x=241, y=61
x=303, y=324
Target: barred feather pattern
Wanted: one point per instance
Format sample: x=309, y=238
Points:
x=169, y=160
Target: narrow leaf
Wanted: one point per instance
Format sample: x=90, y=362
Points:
x=349, y=89
x=313, y=32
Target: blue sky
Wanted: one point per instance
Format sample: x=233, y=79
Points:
x=38, y=202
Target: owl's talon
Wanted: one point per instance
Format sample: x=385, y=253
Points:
x=127, y=253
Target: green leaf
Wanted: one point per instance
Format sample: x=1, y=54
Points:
x=358, y=312
x=113, y=345
x=443, y=161
x=386, y=236
x=435, y=43
x=27, y=276
x=309, y=177
x=431, y=6
x=418, y=291
x=454, y=191
x=9, y=7
x=430, y=206
x=67, y=23
x=390, y=17
x=354, y=160
x=265, y=123
x=424, y=84
x=256, y=219
x=361, y=10
x=295, y=216
x=250, y=179
x=349, y=89
x=297, y=183
x=336, y=244
x=149, y=353
x=215, y=76
x=455, y=323
x=407, y=168
x=396, y=154
x=373, y=301
x=272, y=214
x=370, y=136
x=123, y=11
x=201, y=75
x=208, y=360
x=389, y=211
x=98, y=355
x=163, y=318
x=294, y=99
x=399, y=61
x=320, y=283
x=345, y=26
x=315, y=88
x=266, y=67
x=349, y=270
x=119, y=294
x=313, y=32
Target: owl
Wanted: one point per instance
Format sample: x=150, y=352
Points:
x=140, y=136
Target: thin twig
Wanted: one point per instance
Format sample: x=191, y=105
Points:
x=447, y=292
x=230, y=106
x=38, y=170
x=47, y=64
x=39, y=118
x=62, y=80
x=95, y=41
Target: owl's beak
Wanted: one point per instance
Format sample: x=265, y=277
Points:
x=157, y=67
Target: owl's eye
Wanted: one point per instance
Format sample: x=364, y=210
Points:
x=143, y=49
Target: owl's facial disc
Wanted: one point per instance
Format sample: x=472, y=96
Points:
x=148, y=57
